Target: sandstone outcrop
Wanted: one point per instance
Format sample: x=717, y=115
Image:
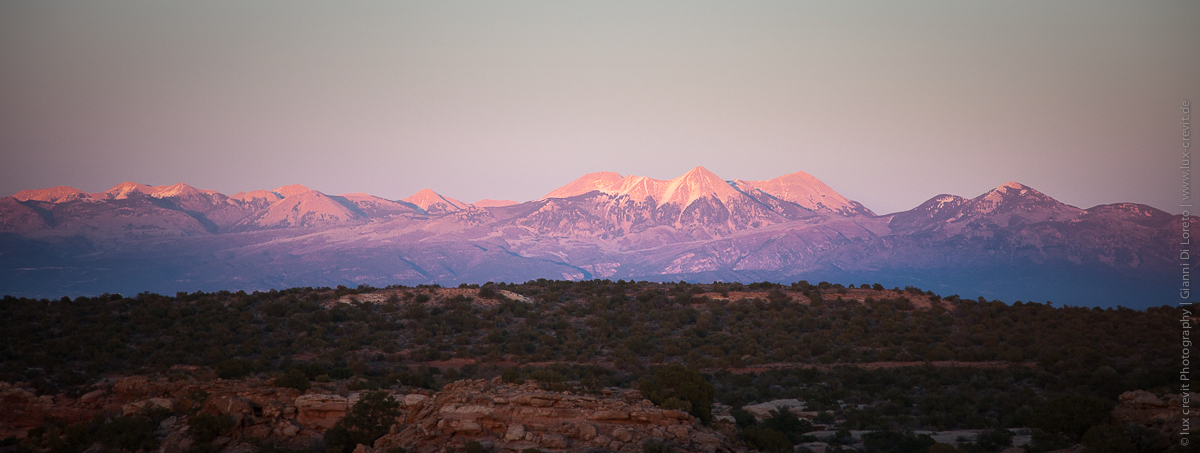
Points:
x=257, y=410
x=1145, y=408
x=1158, y=413
x=511, y=417
x=320, y=410
x=506, y=417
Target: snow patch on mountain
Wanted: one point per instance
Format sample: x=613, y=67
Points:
x=434, y=203
x=54, y=194
x=804, y=190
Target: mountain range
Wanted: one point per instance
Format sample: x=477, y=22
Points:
x=1012, y=242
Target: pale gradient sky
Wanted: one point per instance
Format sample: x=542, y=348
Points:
x=890, y=103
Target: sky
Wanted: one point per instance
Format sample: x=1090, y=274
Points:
x=889, y=103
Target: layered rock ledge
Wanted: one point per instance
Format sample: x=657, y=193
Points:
x=508, y=417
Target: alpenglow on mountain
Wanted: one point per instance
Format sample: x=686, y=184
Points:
x=1011, y=243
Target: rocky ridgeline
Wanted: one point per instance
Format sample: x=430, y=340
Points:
x=502, y=417
x=509, y=417
x=282, y=416
x=505, y=417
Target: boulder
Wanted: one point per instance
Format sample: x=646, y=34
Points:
x=762, y=411
x=320, y=410
x=553, y=441
x=679, y=431
x=587, y=431
x=132, y=385
x=623, y=434
x=609, y=415
x=1141, y=398
x=516, y=431
x=136, y=406
x=1147, y=409
x=91, y=397
x=273, y=409
x=228, y=405
x=414, y=399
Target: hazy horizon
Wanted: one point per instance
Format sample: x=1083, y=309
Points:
x=887, y=104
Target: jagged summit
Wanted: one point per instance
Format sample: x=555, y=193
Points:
x=695, y=184
x=799, y=188
x=179, y=191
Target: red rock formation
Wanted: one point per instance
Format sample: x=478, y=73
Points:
x=1140, y=407
x=515, y=417
x=507, y=417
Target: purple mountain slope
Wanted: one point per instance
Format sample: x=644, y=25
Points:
x=1012, y=242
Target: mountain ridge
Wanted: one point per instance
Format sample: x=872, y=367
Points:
x=602, y=225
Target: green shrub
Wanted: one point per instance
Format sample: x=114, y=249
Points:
x=1061, y=422
x=511, y=376
x=896, y=442
x=742, y=418
x=414, y=379
x=128, y=433
x=203, y=448
x=656, y=446
x=683, y=384
x=943, y=448
x=368, y=420
x=234, y=368
x=765, y=439
x=294, y=379
x=1107, y=439
x=991, y=441
x=1119, y=439
x=787, y=423
x=205, y=427
x=546, y=377
x=310, y=370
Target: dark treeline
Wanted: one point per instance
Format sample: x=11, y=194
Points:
x=617, y=331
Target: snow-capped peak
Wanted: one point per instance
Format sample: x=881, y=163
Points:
x=291, y=189
x=603, y=181
x=124, y=190
x=434, y=203
x=687, y=188
x=693, y=185
x=1007, y=189
x=802, y=189
x=54, y=194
